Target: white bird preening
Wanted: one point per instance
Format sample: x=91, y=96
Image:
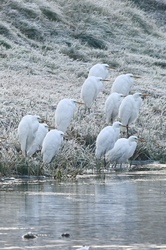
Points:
x=129, y=109
x=64, y=113
x=99, y=70
x=123, y=83
x=106, y=139
x=111, y=107
x=39, y=137
x=51, y=144
x=90, y=90
x=27, y=129
x=122, y=150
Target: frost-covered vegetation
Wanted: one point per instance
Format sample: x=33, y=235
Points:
x=46, y=50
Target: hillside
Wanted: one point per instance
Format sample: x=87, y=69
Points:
x=47, y=48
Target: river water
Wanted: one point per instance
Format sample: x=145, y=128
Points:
x=114, y=211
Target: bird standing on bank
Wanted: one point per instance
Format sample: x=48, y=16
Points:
x=90, y=90
x=129, y=109
x=64, y=113
x=27, y=129
x=51, y=144
x=99, y=70
x=122, y=150
x=123, y=83
x=106, y=139
x=39, y=137
x=111, y=108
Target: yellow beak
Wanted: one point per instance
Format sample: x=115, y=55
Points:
x=80, y=102
x=141, y=139
x=105, y=80
x=144, y=95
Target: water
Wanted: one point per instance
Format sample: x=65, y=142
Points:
x=117, y=211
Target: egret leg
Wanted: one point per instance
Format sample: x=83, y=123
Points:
x=105, y=163
x=88, y=110
x=127, y=127
x=114, y=165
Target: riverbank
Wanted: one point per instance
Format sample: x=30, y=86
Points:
x=46, y=53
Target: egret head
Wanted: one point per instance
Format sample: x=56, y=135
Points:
x=106, y=66
x=61, y=133
x=137, y=95
x=120, y=95
x=133, y=138
x=130, y=75
x=45, y=125
x=133, y=76
x=118, y=124
x=37, y=117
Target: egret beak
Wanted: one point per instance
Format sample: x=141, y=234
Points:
x=105, y=80
x=111, y=68
x=144, y=95
x=49, y=127
x=141, y=139
x=137, y=76
x=43, y=120
x=125, y=126
x=80, y=102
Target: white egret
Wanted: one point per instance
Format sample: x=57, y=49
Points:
x=39, y=137
x=99, y=70
x=26, y=131
x=111, y=108
x=64, y=113
x=90, y=90
x=129, y=109
x=51, y=144
x=122, y=150
x=106, y=139
x=123, y=84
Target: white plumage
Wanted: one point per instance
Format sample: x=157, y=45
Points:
x=122, y=150
x=111, y=108
x=90, y=90
x=123, y=84
x=99, y=70
x=106, y=139
x=26, y=131
x=64, y=113
x=129, y=109
x=39, y=137
x=51, y=144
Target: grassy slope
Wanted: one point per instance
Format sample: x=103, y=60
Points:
x=46, y=50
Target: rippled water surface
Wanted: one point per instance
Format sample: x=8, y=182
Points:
x=116, y=211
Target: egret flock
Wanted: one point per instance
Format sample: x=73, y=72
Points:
x=121, y=109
